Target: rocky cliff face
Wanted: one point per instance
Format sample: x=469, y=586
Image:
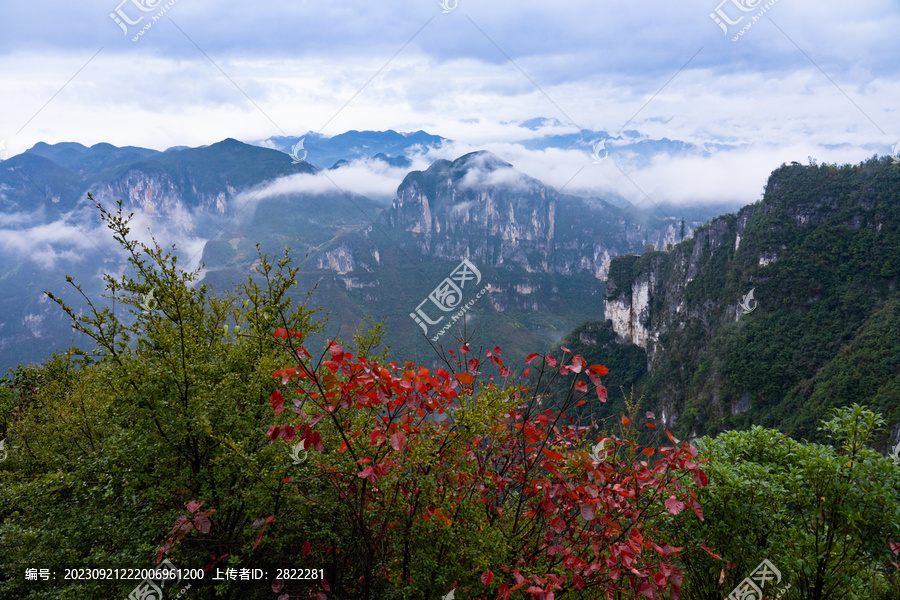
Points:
x=159, y=195
x=645, y=296
x=819, y=253
x=479, y=207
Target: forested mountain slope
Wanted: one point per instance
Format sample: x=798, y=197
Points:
x=821, y=254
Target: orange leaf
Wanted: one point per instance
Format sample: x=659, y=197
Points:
x=464, y=378
x=552, y=454
x=626, y=421
x=649, y=451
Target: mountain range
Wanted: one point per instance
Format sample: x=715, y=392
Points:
x=771, y=315
x=544, y=254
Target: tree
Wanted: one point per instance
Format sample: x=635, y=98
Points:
x=681, y=230
x=108, y=447
x=421, y=481
x=400, y=479
x=825, y=516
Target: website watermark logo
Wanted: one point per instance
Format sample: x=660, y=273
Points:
x=149, y=303
x=748, y=304
x=731, y=13
x=895, y=153
x=295, y=454
x=135, y=8
x=448, y=296
x=601, y=451
x=599, y=153
x=751, y=588
x=895, y=454
x=295, y=153
x=151, y=589
x=448, y=6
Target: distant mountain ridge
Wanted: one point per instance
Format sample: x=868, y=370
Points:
x=324, y=151
x=544, y=254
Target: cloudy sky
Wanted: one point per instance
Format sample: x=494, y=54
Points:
x=773, y=81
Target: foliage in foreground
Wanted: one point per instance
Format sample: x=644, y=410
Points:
x=398, y=481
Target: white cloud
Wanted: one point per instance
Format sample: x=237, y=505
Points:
x=470, y=76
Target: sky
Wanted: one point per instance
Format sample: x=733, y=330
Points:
x=751, y=83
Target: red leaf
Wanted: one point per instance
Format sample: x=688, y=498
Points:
x=281, y=332
x=674, y=505
x=710, y=552
x=531, y=358
x=700, y=478
x=581, y=386
x=307, y=549
x=601, y=393
x=498, y=351
x=696, y=506
x=550, y=361
x=193, y=506
x=587, y=512
x=473, y=366
x=464, y=349
x=659, y=579
x=552, y=454
x=486, y=577
x=277, y=585
x=202, y=523
x=577, y=364
x=650, y=415
x=397, y=441
x=277, y=401
x=287, y=434
x=599, y=369
x=259, y=537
